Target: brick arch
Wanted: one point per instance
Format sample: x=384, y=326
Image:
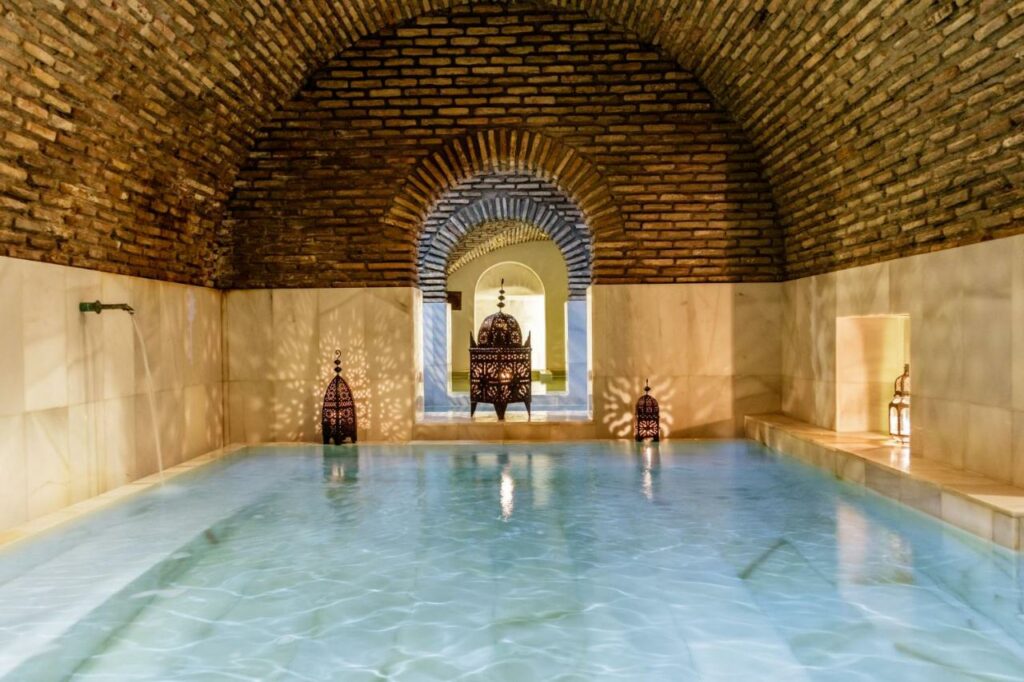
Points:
x=498, y=151
x=436, y=248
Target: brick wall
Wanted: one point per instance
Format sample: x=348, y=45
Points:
x=312, y=206
x=886, y=128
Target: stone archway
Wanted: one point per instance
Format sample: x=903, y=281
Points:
x=439, y=246
x=504, y=175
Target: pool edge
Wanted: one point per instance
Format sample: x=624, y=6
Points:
x=48, y=522
x=968, y=501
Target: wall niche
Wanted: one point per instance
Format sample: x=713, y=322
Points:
x=871, y=351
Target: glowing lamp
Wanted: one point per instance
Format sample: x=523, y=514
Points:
x=899, y=407
x=646, y=424
x=339, y=413
x=499, y=363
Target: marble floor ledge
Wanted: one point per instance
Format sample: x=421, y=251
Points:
x=485, y=415
x=75, y=511
x=965, y=499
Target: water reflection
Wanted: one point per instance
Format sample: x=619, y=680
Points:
x=507, y=492
x=900, y=458
x=340, y=470
x=650, y=461
x=336, y=473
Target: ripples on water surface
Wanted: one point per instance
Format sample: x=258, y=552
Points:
x=695, y=561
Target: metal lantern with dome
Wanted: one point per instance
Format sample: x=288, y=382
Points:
x=899, y=407
x=647, y=425
x=338, y=417
x=499, y=363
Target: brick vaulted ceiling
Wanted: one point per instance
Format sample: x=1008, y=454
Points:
x=885, y=127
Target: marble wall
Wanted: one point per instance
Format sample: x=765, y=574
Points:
x=75, y=420
x=712, y=353
x=74, y=411
x=280, y=347
x=966, y=309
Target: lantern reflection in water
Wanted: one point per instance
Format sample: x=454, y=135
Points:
x=649, y=463
x=507, y=493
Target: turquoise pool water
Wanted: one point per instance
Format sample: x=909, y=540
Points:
x=692, y=561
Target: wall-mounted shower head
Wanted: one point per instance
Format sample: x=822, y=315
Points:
x=97, y=307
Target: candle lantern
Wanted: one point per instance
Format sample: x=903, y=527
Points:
x=647, y=424
x=499, y=363
x=339, y=413
x=899, y=407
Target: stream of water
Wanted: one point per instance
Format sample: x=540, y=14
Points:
x=150, y=396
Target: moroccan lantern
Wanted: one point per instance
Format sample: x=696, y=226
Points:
x=899, y=407
x=499, y=363
x=646, y=425
x=339, y=413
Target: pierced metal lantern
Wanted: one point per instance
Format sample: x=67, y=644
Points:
x=899, y=407
x=647, y=425
x=499, y=363
x=339, y=414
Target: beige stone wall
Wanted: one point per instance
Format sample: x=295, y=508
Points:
x=966, y=309
x=712, y=352
x=280, y=347
x=74, y=414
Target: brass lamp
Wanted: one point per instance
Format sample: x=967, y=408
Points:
x=646, y=425
x=899, y=407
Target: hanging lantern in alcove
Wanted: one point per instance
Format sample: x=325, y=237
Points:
x=899, y=407
x=339, y=413
x=499, y=363
x=647, y=425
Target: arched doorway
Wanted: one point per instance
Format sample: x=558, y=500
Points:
x=521, y=228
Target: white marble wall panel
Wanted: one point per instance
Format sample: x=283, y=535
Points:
x=966, y=308
x=73, y=415
x=808, y=349
x=712, y=353
x=299, y=330
x=12, y=363
x=1017, y=323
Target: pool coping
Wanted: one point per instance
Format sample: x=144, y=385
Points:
x=972, y=502
x=47, y=522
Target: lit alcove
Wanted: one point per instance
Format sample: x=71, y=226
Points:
x=535, y=297
x=871, y=352
x=524, y=300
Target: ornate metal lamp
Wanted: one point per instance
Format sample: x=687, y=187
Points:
x=899, y=407
x=339, y=413
x=647, y=425
x=499, y=363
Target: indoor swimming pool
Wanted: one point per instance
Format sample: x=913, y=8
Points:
x=572, y=561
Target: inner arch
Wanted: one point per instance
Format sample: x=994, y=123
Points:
x=493, y=209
